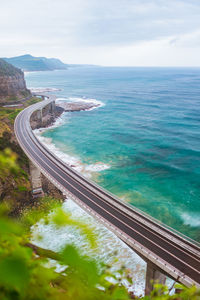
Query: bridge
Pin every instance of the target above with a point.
(166, 251)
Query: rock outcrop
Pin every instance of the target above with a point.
(45, 117)
(77, 106)
(12, 83)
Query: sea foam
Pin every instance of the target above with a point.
(109, 249)
(72, 160)
(191, 219)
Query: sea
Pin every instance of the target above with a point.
(142, 143)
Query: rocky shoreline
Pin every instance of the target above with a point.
(76, 106)
(48, 119)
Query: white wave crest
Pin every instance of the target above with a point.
(191, 219)
(98, 167)
(73, 161)
(70, 160)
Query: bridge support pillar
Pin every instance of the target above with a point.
(53, 108)
(153, 276)
(39, 117)
(36, 181)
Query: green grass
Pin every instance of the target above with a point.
(12, 98)
(11, 112)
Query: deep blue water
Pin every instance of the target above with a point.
(148, 132)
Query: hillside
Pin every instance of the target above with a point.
(30, 63)
(12, 83)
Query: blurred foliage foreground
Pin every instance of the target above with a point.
(23, 274)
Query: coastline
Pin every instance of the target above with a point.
(108, 243)
(134, 266)
(63, 107)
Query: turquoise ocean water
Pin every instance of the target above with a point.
(147, 133)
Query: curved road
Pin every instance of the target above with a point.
(174, 254)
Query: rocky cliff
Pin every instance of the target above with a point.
(12, 83)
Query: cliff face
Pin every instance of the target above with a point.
(12, 83)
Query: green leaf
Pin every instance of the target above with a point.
(83, 266)
(61, 218)
(14, 272)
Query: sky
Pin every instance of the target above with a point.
(103, 32)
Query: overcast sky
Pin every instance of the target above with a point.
(104, 32)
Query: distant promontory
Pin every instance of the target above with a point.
(30, 63)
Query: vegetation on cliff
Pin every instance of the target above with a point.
(14, 188)
(17, 190)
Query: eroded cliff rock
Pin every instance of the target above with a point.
(45, 117)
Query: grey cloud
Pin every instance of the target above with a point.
(39, 25)
(128, 22)
(94, 22)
